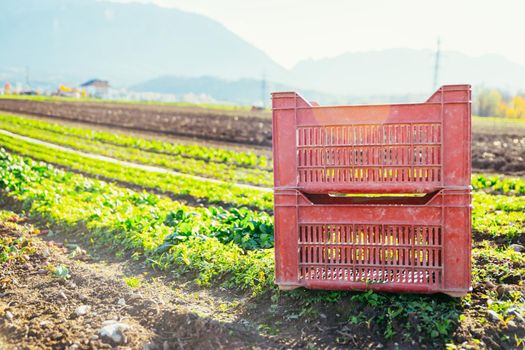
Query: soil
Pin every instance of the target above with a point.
(496, 147)
(253, 128)
(499, 153)
(39, 311)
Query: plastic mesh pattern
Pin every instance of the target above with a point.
(402, 153)
(374, 253)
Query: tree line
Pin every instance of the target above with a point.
(496, 103)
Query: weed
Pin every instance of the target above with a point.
(133, 282)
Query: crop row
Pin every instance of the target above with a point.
(177, 185)
(216, 163)
(219, 244)
(494, 215)
(210, 154)
(498, 184)
(193, 166)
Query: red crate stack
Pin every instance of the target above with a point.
(373, 197)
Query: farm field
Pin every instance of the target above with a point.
(206, 246)
(238, 126)
(497, 147)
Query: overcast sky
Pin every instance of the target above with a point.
(291, 30)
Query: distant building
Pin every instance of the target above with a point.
(7, 88)
(96, 87)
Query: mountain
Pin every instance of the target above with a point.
(71, 41)
(75, 40)
(243, 91)
(404, 71)
(386, 76)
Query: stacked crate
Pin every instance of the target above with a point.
(373, 197)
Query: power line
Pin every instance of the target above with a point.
(28, 83)
(436, 63)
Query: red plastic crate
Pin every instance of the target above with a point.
(418, 147)
(330, 235)
(412, 244)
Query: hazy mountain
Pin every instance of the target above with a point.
(405, 71)
(71, 41)
(125, 43)
(243, 91)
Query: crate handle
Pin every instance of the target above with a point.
(372, 198)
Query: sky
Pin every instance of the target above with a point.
(293, 30)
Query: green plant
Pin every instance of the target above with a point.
(140, 223)
(60, 271)
(133, 282)
(178, 185)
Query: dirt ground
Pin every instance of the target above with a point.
(253, 128)
(496, 147)
(41, 310)
(499, 148)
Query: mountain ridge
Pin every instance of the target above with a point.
(131, 44)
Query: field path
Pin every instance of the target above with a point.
(130, 164)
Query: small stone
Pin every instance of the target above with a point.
(121, 302)
(379, 346)
(74, 347)
(493, 316)
(134, 296)
(166, 345)
(62, 295)
(9, 315)
(114, 331)
(95, 337)
(517, 248)
(82, 310)
(322, 315)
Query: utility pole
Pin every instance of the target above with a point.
(27, 78)
(436, 63)
(263, 90)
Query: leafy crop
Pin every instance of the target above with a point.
(179, 185)
(499, 184)
(498, 216)
(146, 225)
(177, 162)
(28, 126)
